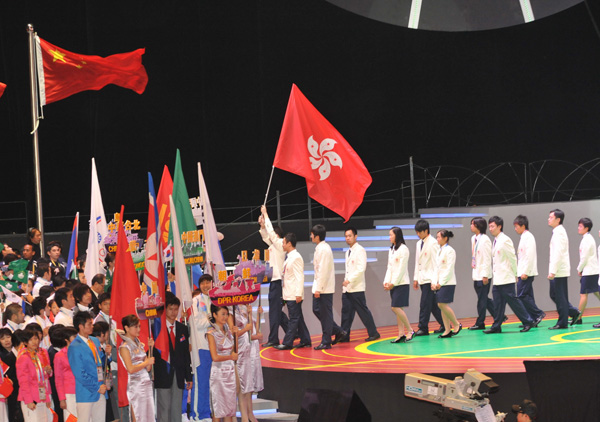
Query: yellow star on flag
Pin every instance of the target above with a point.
(57, 55)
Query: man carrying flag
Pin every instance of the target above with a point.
(311, 147)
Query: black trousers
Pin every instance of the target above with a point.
(483, 301)
(428, 306)
(296, 326)
(323, 309)
(277, 318)
(525, 293)
(356, 302)
(559, 293)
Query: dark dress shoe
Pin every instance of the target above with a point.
(448, 335)
(301, 345)
(526, 328)
(492, 331)
(575, 319)
(323, 346)
(269, 344)
(339, 337)
(398, 340)
(477, 327)
(459, 328)
(283, 347)
(373, 338)
(539, 319)
(505, 318)
(440, 330)
(422, 333)
(596, 325)
(556, 327)
(346, 340)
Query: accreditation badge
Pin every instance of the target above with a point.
(42, 392)
(100, 373)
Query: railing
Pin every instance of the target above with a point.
(391, 193)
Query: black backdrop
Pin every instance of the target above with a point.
(220, 74)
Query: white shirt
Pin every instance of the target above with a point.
(13, 326)
(481, 257)
(64, 317)
(588, 261)
(527, 253)
(559, 264)
(445, 263)
(276, 252)
(324, 281)
(356, 265)
(201, 314)
(293, 276)
(504, 260)
(425, 269)
(39, 283)
(397, 267)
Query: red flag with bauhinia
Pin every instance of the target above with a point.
(65, 73)
(2, 88)
(311, 147)
(125, 290)
(164, 214)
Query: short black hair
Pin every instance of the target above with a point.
(53, 244)
(586, 222)
(5, 332)
(497, 221)
(171, 300)
(100, 327)
(12, 309)
(46, 292)
(522, 220)
(320, 231)
(278, 231)
(447, 234)
(61, 296)
(42, 269)
(98, 279)
(559, 214)
(59, 280)
(103, 297)
(80, 290)
(38, 304)
(291, 238)
(352, 229)
(480, 224)
(56, 335)
(25, 335)
(17, 338)
(422, 225)
(205, 277)
(81, 318)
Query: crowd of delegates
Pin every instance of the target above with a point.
(496, 266)
(58, 349)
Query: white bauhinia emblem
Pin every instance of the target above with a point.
(323, 157)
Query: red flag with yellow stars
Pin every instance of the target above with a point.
(65, 73)
(2, 88)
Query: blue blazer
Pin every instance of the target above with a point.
(84, 369)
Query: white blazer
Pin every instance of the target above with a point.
(445, 263)
(481, 256)
(425, 269)
(560, 264)
(356, 265)
(276, 252)
(293, 276)
(504, 260)
(588, 261)
(397, 267)
(324, 281)
(527, 253)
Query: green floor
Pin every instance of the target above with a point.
(577, 341)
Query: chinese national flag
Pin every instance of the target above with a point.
(311, 147)
(66, 73)
(2, 88)
(125, 289)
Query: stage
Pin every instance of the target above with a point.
(374, 370)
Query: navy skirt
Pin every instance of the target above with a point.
(445, 294)
(399, 295)
(589, 284)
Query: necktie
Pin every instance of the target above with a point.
(422, 241)
(94, 351)
(172, 335)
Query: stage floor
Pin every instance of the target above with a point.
(489, 353)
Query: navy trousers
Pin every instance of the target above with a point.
(296, 326)
(525, 293)
(483, 301)
(504, 294)
(277, 318)
(323, 309)
(428, 306)
(356, 302)
(559, 293)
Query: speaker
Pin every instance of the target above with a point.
(332, 406)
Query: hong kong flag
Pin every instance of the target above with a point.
(2, 88)
(311, 147)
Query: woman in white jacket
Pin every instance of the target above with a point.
(397, 282)
(587, 268)
(446, 283)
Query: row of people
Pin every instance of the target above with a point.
(512, 273)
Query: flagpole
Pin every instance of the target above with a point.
(269, 185)
(35, 122)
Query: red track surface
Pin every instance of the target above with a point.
(344, 357)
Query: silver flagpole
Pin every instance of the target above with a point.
(269, 185)
(35, 121)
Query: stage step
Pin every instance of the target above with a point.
(267, 410)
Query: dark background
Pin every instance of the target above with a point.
(220, 74)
